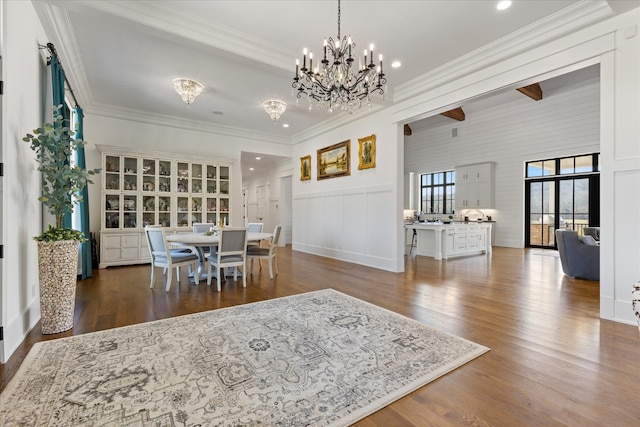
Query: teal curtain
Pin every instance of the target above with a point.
(57, 85)
(85, 248)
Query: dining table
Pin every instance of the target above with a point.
(200, 241)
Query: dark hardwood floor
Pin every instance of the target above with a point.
(553, 361)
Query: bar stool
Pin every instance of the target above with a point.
(413, 240)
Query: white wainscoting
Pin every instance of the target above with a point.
(350, 224)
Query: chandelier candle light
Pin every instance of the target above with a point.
(188, 89)
(275, 108)
(336, 83)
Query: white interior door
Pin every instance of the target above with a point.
(262, 200)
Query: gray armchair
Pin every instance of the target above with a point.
(592, 231)
(578, 259)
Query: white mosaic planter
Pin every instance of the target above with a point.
(58, 267)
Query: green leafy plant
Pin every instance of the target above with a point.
(62, 180)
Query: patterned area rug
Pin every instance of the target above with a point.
(319, 358)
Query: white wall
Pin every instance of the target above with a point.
(565, 122)
(354, 218)
(23, 73)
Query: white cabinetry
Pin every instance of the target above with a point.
(144, 189)
(475, 186)
(466, 239)
(443, 241)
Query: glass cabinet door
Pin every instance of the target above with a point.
(149, 168)
(149, 210)
(164, 176)
(112, 211)
(196, 178)
(164, 211)
(211, 210)
(196, 210)
(224, 180)
(130, 211)
(112, 173)
(130, 174)
(224, 210)
(183, 178)
(212, 177)
(182, 217)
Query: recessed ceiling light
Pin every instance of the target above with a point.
(504, 4)
(285, 125)
(258, 158)
(250, 169)
(396, 64)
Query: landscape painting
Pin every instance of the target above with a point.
(335, 160)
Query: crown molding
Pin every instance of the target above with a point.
(57, 26)
(333, 122)
(564, 22)
(171, 121)
(130, 151)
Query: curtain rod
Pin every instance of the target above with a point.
(52, 51)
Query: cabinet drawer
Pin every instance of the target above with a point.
(109, 242)
(130, 241)
(110, 254)
(460, 237)
(130, 253)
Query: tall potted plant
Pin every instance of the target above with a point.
(58, 246)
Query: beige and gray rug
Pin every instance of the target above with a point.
(320, 358)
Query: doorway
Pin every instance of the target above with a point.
(561, 193)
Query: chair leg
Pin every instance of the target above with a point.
(196, 273)
(167, 286)
(275, 263)
(208, 273)
(244, 274)
(178, 274)
(252, 266)
(218, 269)
(153, 275)
(270, 269)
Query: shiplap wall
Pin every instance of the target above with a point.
(565, 122)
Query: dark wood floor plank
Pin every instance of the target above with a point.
(553, 361)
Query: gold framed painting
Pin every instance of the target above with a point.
(335, 160)
(367, 152)
(305, 168)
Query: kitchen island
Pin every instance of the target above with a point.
(443, 241)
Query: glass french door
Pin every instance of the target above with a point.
(552, 203)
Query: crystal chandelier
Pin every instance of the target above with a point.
(275, 108)
(187, 89)
(335, 83)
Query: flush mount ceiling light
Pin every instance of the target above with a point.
(502, 5)
(335, 83)
(275, 108)
(188, 89)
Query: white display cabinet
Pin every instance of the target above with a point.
(140, 190)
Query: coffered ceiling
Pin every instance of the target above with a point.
(121, 56)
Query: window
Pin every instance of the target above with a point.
(437, 192)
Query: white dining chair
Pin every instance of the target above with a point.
(204, 227)
(254, 227)
(167, 258)
(232, 252)
(269, 254)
